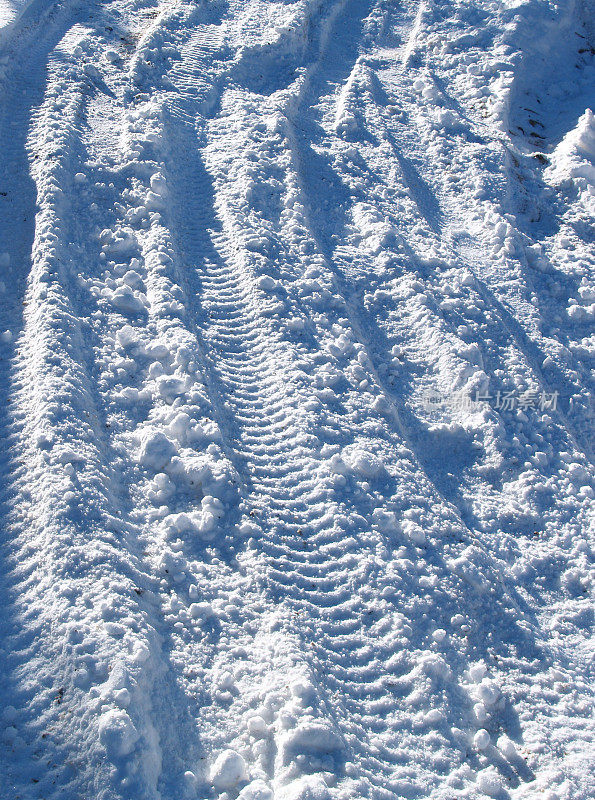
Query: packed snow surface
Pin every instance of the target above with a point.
(296, 349)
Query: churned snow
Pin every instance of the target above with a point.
(296, 349)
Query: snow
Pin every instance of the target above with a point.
(117, 733)
(574, 157)
(10, 12)
(156, 450)
(481, 740)
(228, 770)
(256, 790)
(296, 341)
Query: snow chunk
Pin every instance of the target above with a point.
(446, 119)
(127, 336)
(202, 522)
(257, 726)
(266, 283)
(171, 386)
(507, 748)
(156, 450)
(228, 770)
(157, 349)
(159, 184)
(363, 463)
(120, 242)
(257, 790)
(469, 567)
(310, 787)
(385, 520)
(162, 488)
(154, 202)
(489, 782)
(309, 737)
(488, 692)
(434, 717)
(201, 610)
(480, 711)
(127, 301)
(122, 698)
(413, 531)
(477, 671)
(117, 733)
(481, 740)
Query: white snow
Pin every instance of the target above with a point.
(296, 348)
(574, 157)
(228, 770)
(156, 450)
(256, 790)
(481, 740)
(117, 733)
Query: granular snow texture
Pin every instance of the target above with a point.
(296, 345)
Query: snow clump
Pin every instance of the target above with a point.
(228, 770)
(117, 733)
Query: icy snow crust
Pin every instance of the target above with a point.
(241, 244)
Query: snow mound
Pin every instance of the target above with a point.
(574, 157)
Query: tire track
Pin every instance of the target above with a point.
(295, 540)
(73, 505)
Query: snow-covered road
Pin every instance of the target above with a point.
(296, 350)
